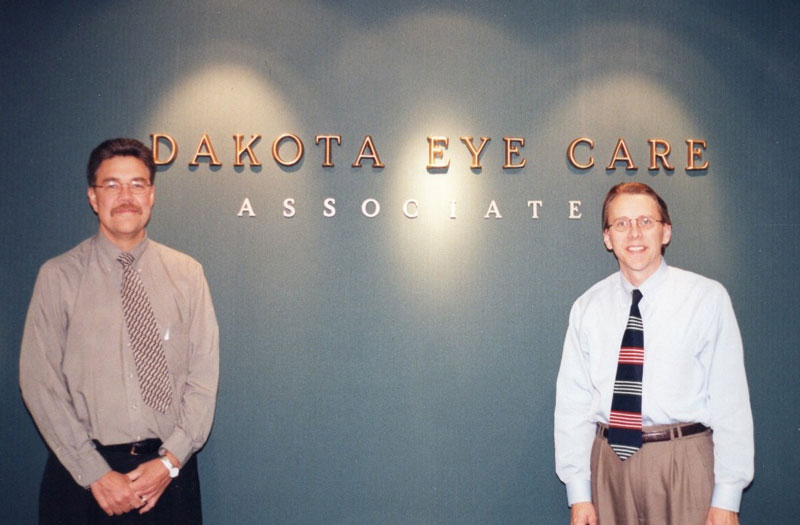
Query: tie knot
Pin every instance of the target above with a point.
(637, 296)
(126, 259)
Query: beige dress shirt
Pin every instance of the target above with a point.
(77, 372)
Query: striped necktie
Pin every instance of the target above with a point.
(625, 421)
(145, 340)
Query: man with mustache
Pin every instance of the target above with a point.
(120, 360)
(652, 417)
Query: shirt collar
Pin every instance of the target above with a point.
(650, 287)
(107, 252)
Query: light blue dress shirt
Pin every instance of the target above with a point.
(693, 372)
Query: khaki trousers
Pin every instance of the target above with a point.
(664, 483)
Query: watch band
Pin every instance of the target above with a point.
(173, 470)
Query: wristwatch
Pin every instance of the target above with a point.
(173, 470)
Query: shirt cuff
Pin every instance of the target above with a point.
(727, 497)
(92, 468)
(179, 445)
(579, 491)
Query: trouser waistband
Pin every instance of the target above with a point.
(146, 446)
(676, 431)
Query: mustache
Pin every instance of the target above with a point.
(125, 208)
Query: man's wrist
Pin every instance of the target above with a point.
(172, 458)
(178, 445)
(171, 467)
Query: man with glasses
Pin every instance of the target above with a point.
(120, 360)
(652, 417)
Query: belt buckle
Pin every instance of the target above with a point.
(134, 448)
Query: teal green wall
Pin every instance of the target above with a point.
(396, 370)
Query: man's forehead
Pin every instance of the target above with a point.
(633, 200)
(114, 177)
(122, 167)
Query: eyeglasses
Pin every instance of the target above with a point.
(137, 187)
(623, 224)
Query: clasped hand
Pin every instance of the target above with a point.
(118, 493)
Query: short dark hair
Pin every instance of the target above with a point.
(120, 147)
(634, 188)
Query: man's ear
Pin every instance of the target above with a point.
(607, 240)
(92, 194)
(666, 236)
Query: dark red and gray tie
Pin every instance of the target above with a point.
(148, 353)
(625, 421)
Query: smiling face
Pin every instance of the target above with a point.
(123, 215)
(638, 251)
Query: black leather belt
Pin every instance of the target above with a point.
(663, 435)
(147, 446)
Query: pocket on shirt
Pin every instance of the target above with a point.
(676, 376)
(175, 342)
